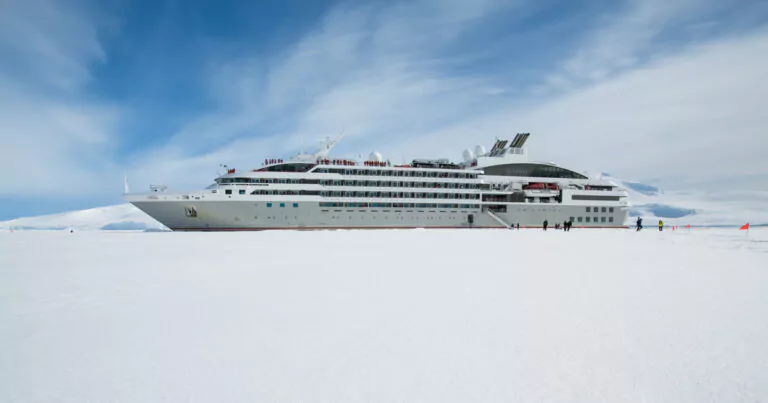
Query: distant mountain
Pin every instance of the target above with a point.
(119, 217)
(643, 189)
(724, 207)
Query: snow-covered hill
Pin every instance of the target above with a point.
(119, 217)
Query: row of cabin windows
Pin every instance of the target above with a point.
(594, 219)
(407, 195)
(436, 185)
(275, 192)
(404, 173)
(601, 209)
(285, 192)
(399, 205)
(224, 181)
(295, 205)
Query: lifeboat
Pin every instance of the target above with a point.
(534, 186)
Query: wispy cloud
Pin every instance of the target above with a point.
(48, 42)
(56, 140)
(371, 71)
(644, 89)
(692, 115)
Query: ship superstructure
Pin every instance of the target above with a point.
(495, 189)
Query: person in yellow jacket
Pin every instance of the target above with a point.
(661, 225)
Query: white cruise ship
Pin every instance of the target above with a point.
(499, 188)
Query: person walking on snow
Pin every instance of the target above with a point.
(639, 225)
(661, 225)
(545, 224)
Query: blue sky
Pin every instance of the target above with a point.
(671, 92)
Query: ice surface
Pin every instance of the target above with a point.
(353, 316)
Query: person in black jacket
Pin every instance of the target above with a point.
(545, 224)
(639, 225)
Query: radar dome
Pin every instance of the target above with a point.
(468, 156)
(479, 150)
(375, 156)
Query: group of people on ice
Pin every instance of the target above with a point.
(566, 226)
(639, 224)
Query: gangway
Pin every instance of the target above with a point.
(497, 218)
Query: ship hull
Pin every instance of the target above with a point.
(231, 215)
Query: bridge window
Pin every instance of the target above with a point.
(289, 167)
(588, 210)
(228, 191)
(532, 170)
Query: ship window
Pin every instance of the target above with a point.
(602, 219)
(587, 219)
(587, 209)
(602, 209)
(532, 170)
(269, 204)
(610, 209)
(242, 191)
(595, 219)
(610, 219)
(580, 219)
(295, 205)
(214, 191)
(228, 191)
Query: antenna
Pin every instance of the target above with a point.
(323, 151)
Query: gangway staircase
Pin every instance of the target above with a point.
(497, 218)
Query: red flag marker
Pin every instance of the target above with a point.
(744, 227)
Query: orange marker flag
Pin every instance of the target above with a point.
(744, 227)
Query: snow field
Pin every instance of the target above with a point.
(402, 315)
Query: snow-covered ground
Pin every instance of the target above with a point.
(352, 316)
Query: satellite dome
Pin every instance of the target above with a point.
(468, 156)
(479, 150)
(375, 156)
